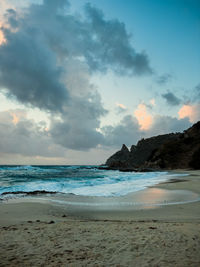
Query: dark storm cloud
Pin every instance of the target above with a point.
(34, 56)
(44, 44)
(28, 71)
(112, 45)
(171, 99)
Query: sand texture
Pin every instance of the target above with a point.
(101, 243)
(38, 234)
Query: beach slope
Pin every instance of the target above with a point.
(48, 234)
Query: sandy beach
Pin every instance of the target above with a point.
(44, 233)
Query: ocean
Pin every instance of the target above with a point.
(77, 180)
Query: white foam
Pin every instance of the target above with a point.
(101, 183)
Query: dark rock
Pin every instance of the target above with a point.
(133, 148)
(119, 159)
(146, 147)
(145, 169)
(195, 161)
(36, 192)
(103, 167)
(181, 153)
(124, 148)
(128, 170)
(125, 160)
(168, 151)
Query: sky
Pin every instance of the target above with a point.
(80, 78)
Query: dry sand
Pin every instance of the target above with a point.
(48, 234)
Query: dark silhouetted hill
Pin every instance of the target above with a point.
(168, 151)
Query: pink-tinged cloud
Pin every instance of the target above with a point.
(190, 111)
(145, 119)
(4, 5)
(16, 115)
(15, 119)
(2, 38)
(122, 106)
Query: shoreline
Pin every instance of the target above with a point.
(46, 234)
(178, 195)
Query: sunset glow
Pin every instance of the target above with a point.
(187, 111)
(2, 38)
(145, 120)
(15, 119)
(121, 106)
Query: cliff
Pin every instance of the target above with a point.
(181, 153)
(168, 151)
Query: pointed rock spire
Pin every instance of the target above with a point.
(124, 148)
(133, 148)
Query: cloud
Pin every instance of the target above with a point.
(19, 135)
(120, 108)
(143, 117)
(17, 115)
(30, 139)
(49, 57)
(127, 131)
(191, 111)
(78, 126)
(47, 61)
(112, 47)
(164, 79)
(152, 102)
(171, 99)
(167, 124)
(192, 96)
(197, 93)
(2, 38)
(28, 70)
(47, 38)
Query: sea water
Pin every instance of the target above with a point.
(78, 180)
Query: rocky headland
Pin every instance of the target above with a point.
(168, 151)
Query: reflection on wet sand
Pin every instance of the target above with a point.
(154, 197)
(145, 199)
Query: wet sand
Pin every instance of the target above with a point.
(53, 234)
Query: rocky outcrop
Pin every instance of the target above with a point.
(119, 159)
(180, 153)
(169, 151)
(142, 152)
